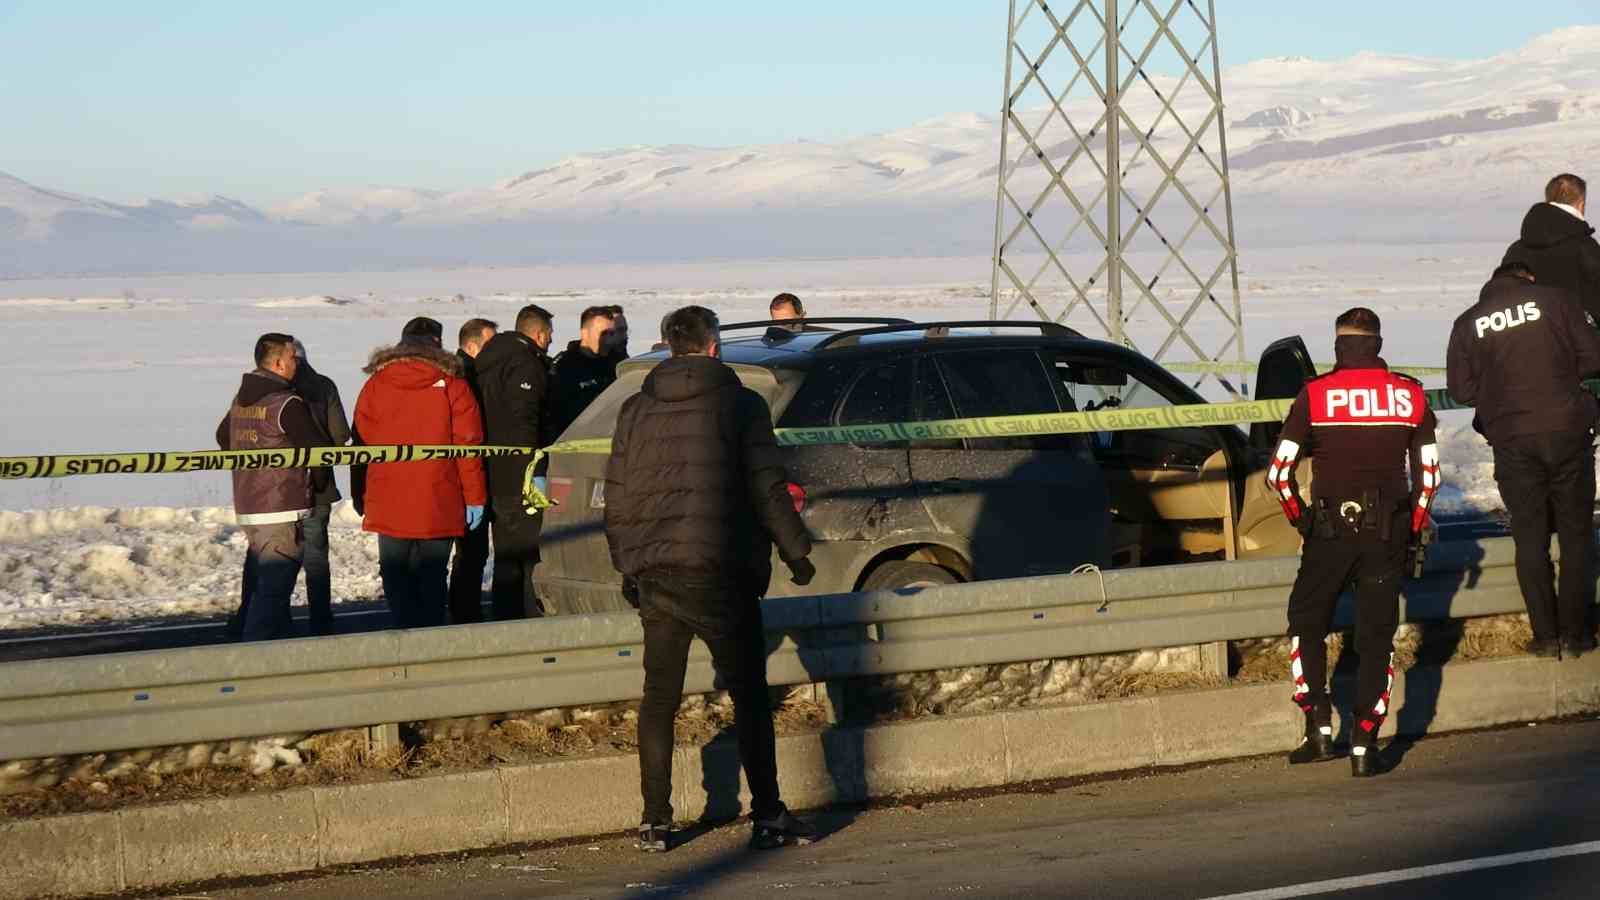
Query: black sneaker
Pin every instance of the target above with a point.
(653, 838)
(783, 831)
(1572, 648)
(1549, 648)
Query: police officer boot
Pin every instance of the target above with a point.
(1316, 746)
(1366, 761)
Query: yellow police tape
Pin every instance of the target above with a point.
(1196, 415)
(155, 462)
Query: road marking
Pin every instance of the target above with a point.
(1355, 882)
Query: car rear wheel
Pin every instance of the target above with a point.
(901, 573)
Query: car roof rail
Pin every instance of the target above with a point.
(942, 329)
(806, 323)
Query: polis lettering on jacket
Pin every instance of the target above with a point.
(1508, 318)
(1370, 403)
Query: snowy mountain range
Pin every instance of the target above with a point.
(1370, 147)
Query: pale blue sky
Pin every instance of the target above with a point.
(264, 101)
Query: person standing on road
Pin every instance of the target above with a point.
(584, 370)
(514, 377)
(270, 504)
(327, 410)
(1361, 423)
(1520, 356)
(695, 497)
(415, 395)
(472, 548)
(1558, 244)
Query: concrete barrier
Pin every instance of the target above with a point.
(306, 828)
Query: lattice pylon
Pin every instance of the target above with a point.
(1085, 232)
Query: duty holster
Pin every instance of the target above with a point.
(1365, 516)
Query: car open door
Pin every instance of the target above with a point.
(1261, 528)
(1285, 368)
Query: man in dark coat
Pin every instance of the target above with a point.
(271, 504)
(696, 495)
(1559, 245)
(1520, 356)
(585, 369)
(472, 548)
(514, 377)
(327, 410)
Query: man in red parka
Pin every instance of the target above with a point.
(416, 395)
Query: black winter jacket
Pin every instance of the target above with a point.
(513, 377)
(1519, 355)
(1560, 249)
(322, 396)
(469, 371)
(694, 485)
(576, 378)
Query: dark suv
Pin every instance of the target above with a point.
(899, 513)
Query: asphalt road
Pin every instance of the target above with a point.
(1254, 829)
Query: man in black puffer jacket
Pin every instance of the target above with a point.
(585, 369)
(1559, 245)
(514, 382)
(695, 497)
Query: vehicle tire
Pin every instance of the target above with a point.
(903, 573)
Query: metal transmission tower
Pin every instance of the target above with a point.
(1125, 226)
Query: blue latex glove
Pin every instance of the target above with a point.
(474, 517)
(542, 484)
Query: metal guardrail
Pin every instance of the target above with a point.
(163, 697)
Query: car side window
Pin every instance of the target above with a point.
(933, 405)
(1005, 383)
(880, 395)
(819, 395)
(1089, 386)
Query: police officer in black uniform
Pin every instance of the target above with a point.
(1520, 356)
(1361, 423)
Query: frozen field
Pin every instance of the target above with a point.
(150, 362)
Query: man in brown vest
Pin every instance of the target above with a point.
(270, 504)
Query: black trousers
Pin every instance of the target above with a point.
(466, 575)
(1547, 483)
(1327, 564)
(516, 553)
(729, 622)
(413, 574)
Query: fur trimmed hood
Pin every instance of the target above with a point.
(439, 358)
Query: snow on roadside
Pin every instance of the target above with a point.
(90, 564)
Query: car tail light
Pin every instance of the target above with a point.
(798, 495)
(560, 490)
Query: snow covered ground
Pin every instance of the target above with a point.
(151, 362)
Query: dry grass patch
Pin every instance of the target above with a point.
(1142, 683)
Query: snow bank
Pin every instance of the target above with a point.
(90, 564)
(303, 302)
